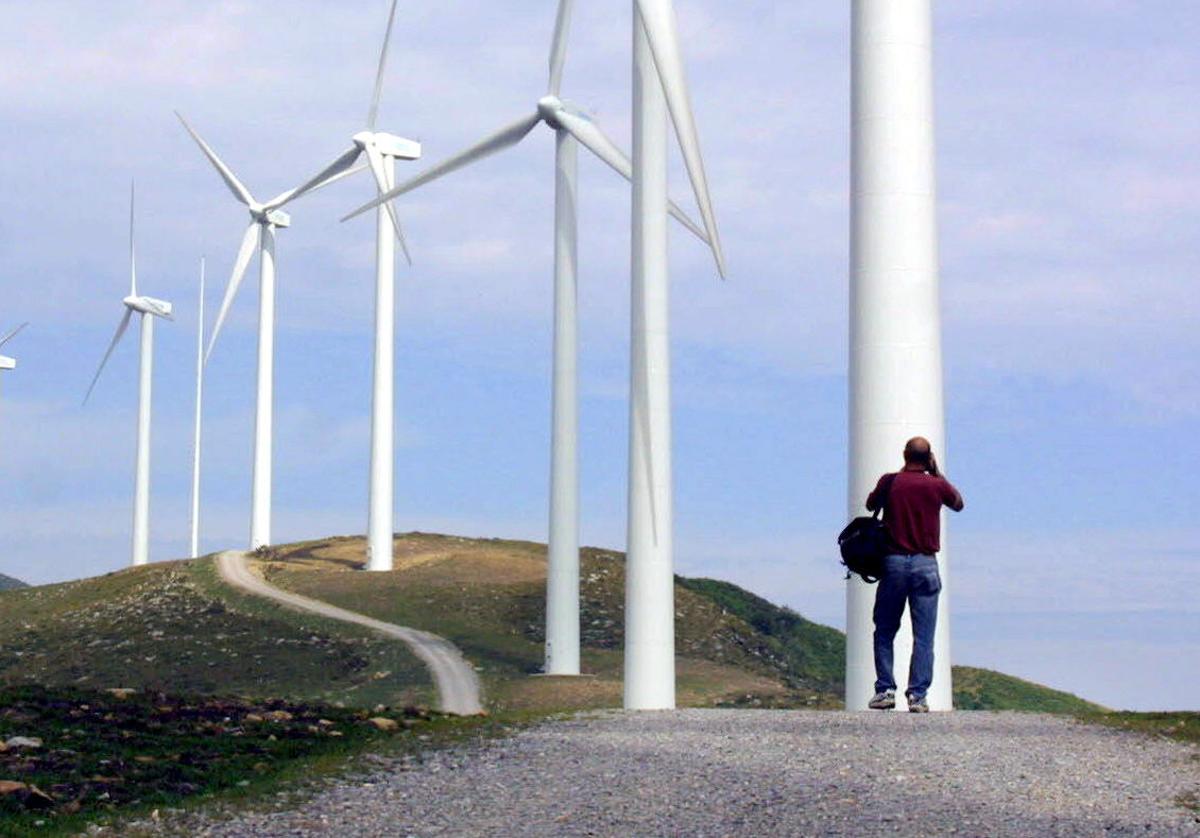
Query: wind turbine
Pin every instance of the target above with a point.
(571, 127)
(382, 150)
(195, 541)
(895, 317)
(7, 363)
(659, 88)
(265, 219)
(147, 308)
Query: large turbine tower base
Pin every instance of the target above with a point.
(649, 569)
(260, 493)
(895, 331)
(383, 405)
(562, 573)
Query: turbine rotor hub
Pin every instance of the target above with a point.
(549, 108)
(389, 144)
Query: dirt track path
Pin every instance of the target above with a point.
(457, 684)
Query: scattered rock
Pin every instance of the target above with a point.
(278, 716)
(383, 724)
(121, 693)
(29, 796)
(27, 743)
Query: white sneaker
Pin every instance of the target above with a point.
(885, 700)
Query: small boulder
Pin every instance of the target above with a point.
(121, 693)
(27, 743)
(386, 725)
(29, 796)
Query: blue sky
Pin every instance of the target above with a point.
(1069, 178)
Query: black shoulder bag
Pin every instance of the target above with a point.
(864, 543)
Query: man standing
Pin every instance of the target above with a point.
(912, 502)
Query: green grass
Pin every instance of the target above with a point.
(812, 656)
(104, 757)
(174, 627)
(1183, 726)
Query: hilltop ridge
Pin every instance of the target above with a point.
(7, 583)
(177, 626)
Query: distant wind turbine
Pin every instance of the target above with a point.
(571, 127)
(659, 88)
(265, 219)
(7, 363)
(195, 540)
(382, 151)
(147, 308)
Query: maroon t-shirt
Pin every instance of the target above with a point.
(913, 513)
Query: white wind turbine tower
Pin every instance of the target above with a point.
(659, 88)
(195, 534)
(895, 320)
(571, 127)
(147, 308)
(382, 150)
(265, 219)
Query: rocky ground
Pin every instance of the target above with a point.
(721, 772)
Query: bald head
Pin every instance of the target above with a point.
(917, 451)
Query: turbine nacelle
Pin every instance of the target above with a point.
(274, 217)
(389, 144)
(7, 363)
(549, 107)
(151, 306)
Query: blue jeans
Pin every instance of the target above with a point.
(913, 580)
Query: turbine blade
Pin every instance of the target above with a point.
(558, 47)
(324, 177)
(132, 249)
(502, 139)
(249, 242)
(121, 327)
(379, 169)
(235, 186)
(12, 334)
(658, 18)
(373, 114)
(593, 138)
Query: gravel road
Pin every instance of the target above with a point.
(457, 683)
(767, 773)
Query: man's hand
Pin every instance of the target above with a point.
(933, 466)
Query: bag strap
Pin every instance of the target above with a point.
(886, 487)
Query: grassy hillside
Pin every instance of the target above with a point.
(812, 655)
(488, 596)
(175, 627)
(735, 648)
(982, 689)
(7, 583)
